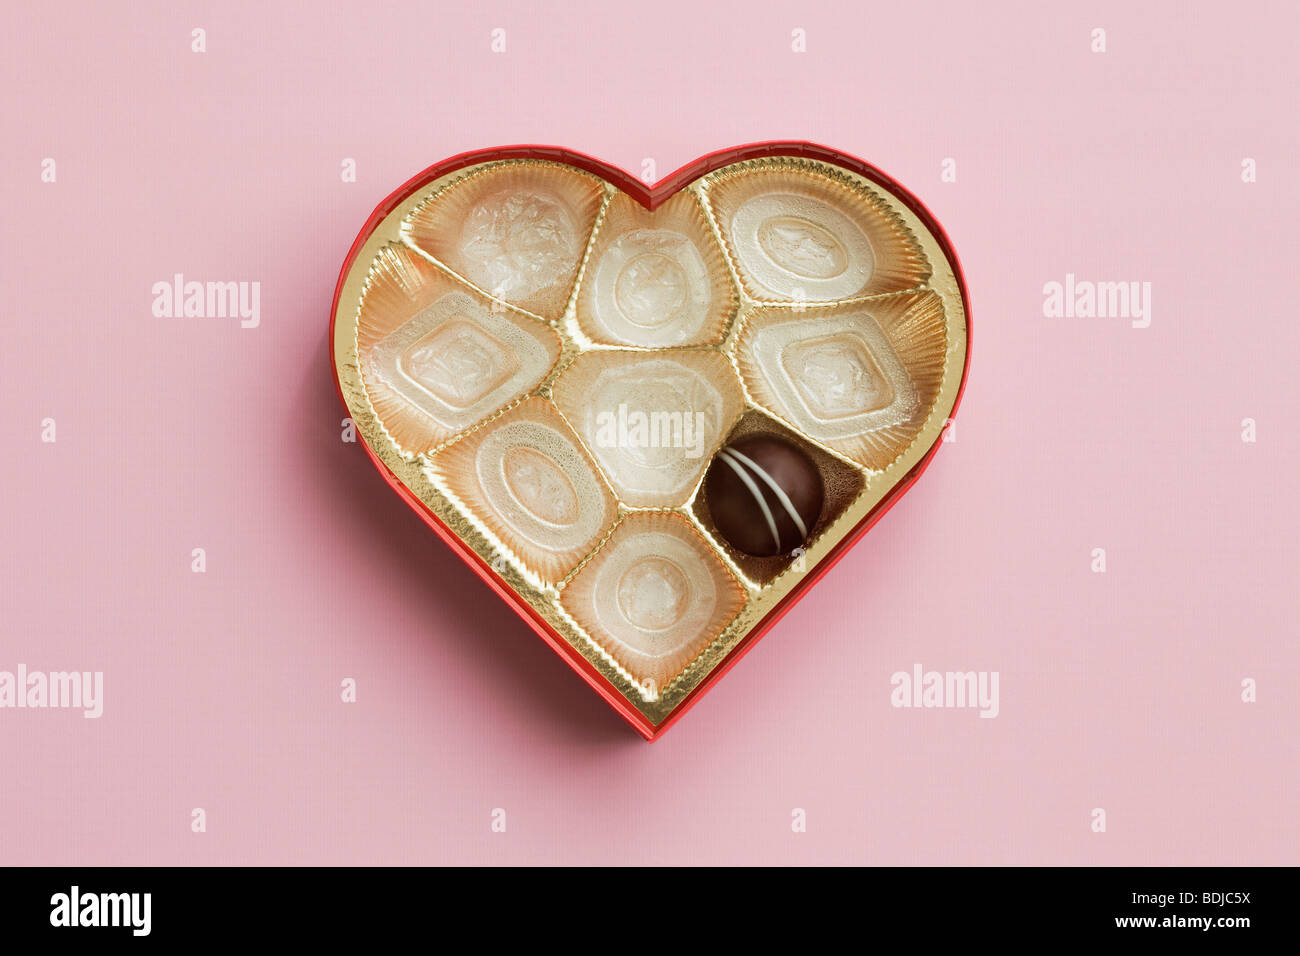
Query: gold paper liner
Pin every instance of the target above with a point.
(653, 597)
(787, 247)
(406, 304)
(517, 230)
(656, 279)
(527, 477)
(687, 400)
(897, 343)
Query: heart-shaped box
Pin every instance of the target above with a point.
(498, 314)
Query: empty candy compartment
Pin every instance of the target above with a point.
(656, 279)
(653, 597)
(860, 378)
(527, 478)
(517, 230)
(652, 420)
(799, 232)
(436, 358)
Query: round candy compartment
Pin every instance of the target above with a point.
(566, 364)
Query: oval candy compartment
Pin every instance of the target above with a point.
(545, 358)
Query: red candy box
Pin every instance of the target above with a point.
(651, 417)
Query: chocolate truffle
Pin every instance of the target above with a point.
(764, 493)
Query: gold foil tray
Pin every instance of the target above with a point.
(497, 323)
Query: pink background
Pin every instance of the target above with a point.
(1118, 690)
